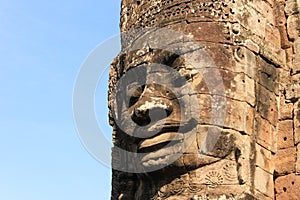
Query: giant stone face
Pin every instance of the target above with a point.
(159, 110)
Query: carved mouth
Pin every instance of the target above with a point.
(163, 156)
(161, 149)
(159, 141)
(166, 146)
(163, 127)
(167, 132)
(163, 160)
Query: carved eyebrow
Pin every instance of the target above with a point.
(134, 66)
(160, 57)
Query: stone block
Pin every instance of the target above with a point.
(234, 59)
(267, 104)
(273, 35)
(268, 75)
(296, 62)
(239, 86)
(285, 161)
(236, 86)
(298, 160)
(205, 31)
(264, 182)
(264, 8)
(250, 90)
(245, 61)
(293, 28)
(273, 53)
(241, 116)
(287, 187)
(266, 134)
(285, 109)
(296, 85)
(226, 112)
(289, 60)
(224, 171)
(244, 143)
(285, 134)
(286, 79)
(293, 89)
(254, 20)
(291, 7)
(297, 122)
(251, 45)
(264, 159)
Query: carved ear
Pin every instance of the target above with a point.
(242, 157)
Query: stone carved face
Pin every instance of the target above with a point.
(161, 115)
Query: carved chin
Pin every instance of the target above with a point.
(167, 149)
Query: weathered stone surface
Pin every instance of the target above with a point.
(246, 59)
(285, 134)
(268, 75)
(265, 9)
(287, 187)
(273, 53)
(255, 21)
(239, 115)
(252, 46)
(293, 27)
(285, 109)
(267, 104)
(298, 160)
(281, 24)
(273, 35)
(293, 89)
(291, 7)
(237, 86)
(266, 135)
(285, 161)
(207, 34)
(296, 62)
(296, 57)
(271, 3)
(297, 122)
(264, 182)
(264, 159)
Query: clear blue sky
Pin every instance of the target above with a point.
(42, 45)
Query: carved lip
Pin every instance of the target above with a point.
(166, 145)
(167, 131)
(164, 126)
(160, 139)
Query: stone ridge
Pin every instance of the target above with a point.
(160, 13)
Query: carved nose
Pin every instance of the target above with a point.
(152, 111)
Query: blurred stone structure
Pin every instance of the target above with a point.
(255, 45)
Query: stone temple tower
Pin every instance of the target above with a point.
(204, 100)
